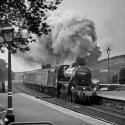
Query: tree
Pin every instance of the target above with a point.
(115, 79)
(122, 76)
(3, 70)
(28, 17)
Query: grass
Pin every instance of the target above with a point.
(99, 70)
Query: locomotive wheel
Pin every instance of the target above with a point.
(73, 97)
(69, 98)
(53, 92)
(77, 99)
(90, 99)
(61, 95)
(87, 100)
(83, 100)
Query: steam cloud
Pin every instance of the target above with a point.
(71, 36)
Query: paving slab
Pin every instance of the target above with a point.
(29, 108)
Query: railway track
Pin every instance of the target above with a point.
(102, 113)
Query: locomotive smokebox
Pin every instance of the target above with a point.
(79, 73)
(83, 74)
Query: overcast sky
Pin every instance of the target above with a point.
(109, 18)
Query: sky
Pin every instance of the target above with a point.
(109, 19)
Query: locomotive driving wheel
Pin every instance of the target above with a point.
(73, 96)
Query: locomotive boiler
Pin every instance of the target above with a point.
(81, 74)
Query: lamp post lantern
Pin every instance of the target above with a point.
(108, 52)
(8, 35)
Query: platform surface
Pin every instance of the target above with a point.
(29, 108)
(117, 95)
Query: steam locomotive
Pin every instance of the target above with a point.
(72, 83)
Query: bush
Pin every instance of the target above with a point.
(115, 79)
(122, 76)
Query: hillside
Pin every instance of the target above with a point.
(100, 68)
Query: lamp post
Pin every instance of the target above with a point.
(108, 52)
(8, 35)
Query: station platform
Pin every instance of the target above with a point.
(116, 95)
(28, 108)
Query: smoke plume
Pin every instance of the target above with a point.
(71, 36)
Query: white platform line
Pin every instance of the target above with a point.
(82, 117)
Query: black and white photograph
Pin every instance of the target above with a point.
(62, 62)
